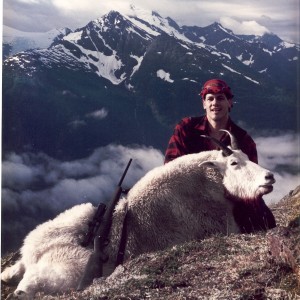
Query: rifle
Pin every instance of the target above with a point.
(98, 232)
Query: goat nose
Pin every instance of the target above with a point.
(270, 176)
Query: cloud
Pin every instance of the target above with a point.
(281, 155)
(281, 17)
(38, 15)
(37, 187)
(244, 27)
(18, 176)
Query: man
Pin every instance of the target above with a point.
(217, 102)
(186, 139)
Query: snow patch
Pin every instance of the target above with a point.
(230, 69)
(187, 79)
(268, 51)
(106, 66)
(215, 53)
(153, 20)
(139, 62)
(131, 30)
(21, 40)
(98, 114)
(246, 62)
(263, 71)
(227, 40)
(249, 62)
(226, 54)
(142, 26)
(73, 37)
(164, 75)
(287, 44)
(234, 71)
(185, 46)
(256, 82)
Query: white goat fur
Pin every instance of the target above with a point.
(180, 201)
(51, 258)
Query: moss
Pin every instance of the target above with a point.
(258, 294)
(169, 265)
(287, 279)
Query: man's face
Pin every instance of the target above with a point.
(217, 106)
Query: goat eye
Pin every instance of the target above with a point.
(234, 163)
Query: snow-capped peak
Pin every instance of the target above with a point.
(140, 17)
(140, 13)
(21, 40)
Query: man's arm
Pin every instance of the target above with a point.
(249, 147)
(176, 146)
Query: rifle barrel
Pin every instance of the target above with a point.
(124, 174)
(94, 266)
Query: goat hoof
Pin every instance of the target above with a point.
(20, 295)
(11, 296)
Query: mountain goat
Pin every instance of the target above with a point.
(191, 197)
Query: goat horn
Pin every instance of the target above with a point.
(226, 151)
(233, 140)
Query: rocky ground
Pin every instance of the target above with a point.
(252, 266)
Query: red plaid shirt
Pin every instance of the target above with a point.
(187, 139)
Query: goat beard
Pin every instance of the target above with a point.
(251, 214)
(251, 201)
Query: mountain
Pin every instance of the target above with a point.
(130, 78)
(15, 41)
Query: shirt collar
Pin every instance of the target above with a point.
(203, 126)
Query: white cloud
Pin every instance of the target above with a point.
(26, 169)
(78, 5)
(280, 17)
(281, 155)
(17, 175)
(279, 150)
(285, 182)
(243, 27)
(37, 187)
(30, 1)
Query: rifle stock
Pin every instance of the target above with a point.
(94, 225)
(93, 268)
(103, 221)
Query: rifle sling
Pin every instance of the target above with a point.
(123, 240)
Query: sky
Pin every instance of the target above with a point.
(280, 17)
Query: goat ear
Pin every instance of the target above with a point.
(211, 163)
(208, 163)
